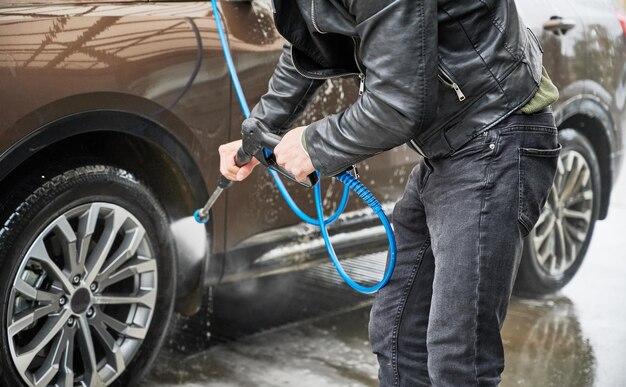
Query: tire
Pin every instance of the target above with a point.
(127, 303)
(547, 263)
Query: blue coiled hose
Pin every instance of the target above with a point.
(350, 182)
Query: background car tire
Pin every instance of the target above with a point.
(541, 273)
(27, 210)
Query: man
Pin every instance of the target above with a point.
(461, 82)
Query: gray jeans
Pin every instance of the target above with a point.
(459, 229)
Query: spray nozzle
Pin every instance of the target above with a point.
(201, 216)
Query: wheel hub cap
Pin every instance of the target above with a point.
(81, 300)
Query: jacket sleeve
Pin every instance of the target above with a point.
(287, 95)
(399, 50)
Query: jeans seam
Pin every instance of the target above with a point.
(486, 187)
(520, 178)
(400, 311)
(529, 128)
(424, 179)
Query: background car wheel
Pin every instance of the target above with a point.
(556, 247)
(88, 279)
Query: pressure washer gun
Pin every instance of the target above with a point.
(257, 142)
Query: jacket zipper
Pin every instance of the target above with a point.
(413, 143)
(362, 85)
(361, 72)
(447, 80)
(313, 18)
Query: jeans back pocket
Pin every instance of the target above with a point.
(536, 170)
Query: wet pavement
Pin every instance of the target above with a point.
(307, 329)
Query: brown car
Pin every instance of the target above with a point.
(111, 115)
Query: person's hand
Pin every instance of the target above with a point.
(228, 168)
(290, 155)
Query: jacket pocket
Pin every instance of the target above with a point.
(536, 170)
(445, 78)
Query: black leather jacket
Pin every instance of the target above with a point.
(434, 74)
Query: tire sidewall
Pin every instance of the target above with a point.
(87, 185)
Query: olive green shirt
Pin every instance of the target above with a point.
(544, 97)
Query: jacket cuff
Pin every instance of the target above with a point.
(327, 164)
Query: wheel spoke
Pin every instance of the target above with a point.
(44, 378)
(146, 298)
(112, 322)
(560, 244)
(552, 266)
(554, 197)
(543, 257)
(577, 234)
(88, 353)
(574, 169)
(580, 197)
(582, 215)
(29, 292)
(98, 256)
(40, 254)
(126, 251)
(585, 175)
(140, 267)
(66, 368)
(545, 232)
(547, 211)
(543, 247)
(70, 251)
(43, 337)
(569, 255)
(86, 227)
(560, 174)
(114, 353)
(26, 319)
(123, 328)
(50, 367)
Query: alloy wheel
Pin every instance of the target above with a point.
(82, 298)
(564, 224)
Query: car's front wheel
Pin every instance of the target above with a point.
(556, 247)
(87, 280)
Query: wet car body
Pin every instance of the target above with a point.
(585, 60)
(144, 86)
